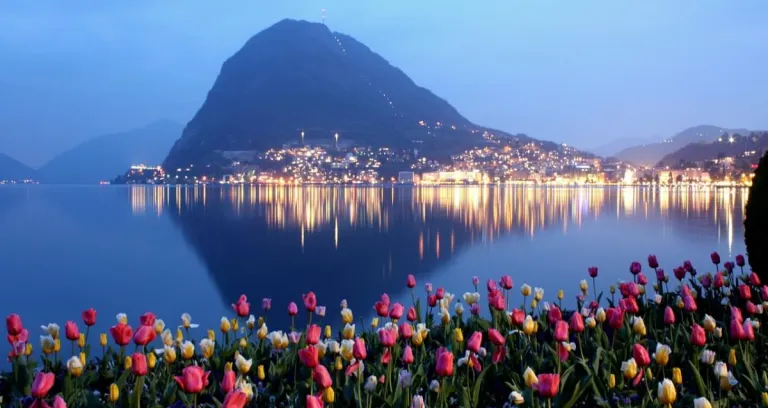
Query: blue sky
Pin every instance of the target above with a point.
(582, 72)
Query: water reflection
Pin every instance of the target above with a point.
(354, 243)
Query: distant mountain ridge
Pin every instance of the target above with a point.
(104, 157)
(699, 152)
(299, 76)
(12, 169)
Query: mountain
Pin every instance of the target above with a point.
(299, 76)
(728, 147)
(104, 157)
(12, 169)
(610, 148)
(649, 154)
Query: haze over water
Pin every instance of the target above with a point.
(195, 249)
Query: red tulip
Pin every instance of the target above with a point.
(388, 337)
(640, 354)
(147, 319)
(740, 260)
(13, 323)
(698, 336)
(679, 273)
(411, 281)
(431, 300)
(729, 267)
(412, 314)
(635, 268)
(660, 276)
(314, 401)
(42, 384)
(495, 337)
(406, 330)
(193, 379)
(562, 352)
(715, 257)
(642, 279)
(496, 300)
(293, 310)
(764, 291)
(719, 281)
(235, 399)
(491, 285)
(754, 280)
(358, 349)
(736, 314)
(751, 308)
(121, 333)
(89, 317)
(561, 331)
(139, 364)
(749, 331)
(382, 306)
(309, 357)
(706, 280)
(506, 282)
(229, 380)
(20, 338)
(629, 305)
(310, 301)
(615, 317)
(396, 312)
(444, 363)
(554, 315)
(145, 335)
(669, 315)
(313, 334)
(737, 331)
(499, 354)
(440, 293)
(548, 385)
(745, 292)
(475, 342)
(408, 355)
(689, 304)
(71, 331)
(576, 322)
(593, 271)
(517, 317)
(322, 377)
(242, 307)
(629, 289)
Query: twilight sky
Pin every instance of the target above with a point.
(582, 72)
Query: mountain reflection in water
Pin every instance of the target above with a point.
(355, 243)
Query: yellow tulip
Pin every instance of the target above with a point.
(583, 286)
(235, 325)
(417, 339)
(228, 366)
(725, 382)
(57, 345)
(560, 294)
(159, 326)
(187, 350)
(701, 403)
(339, 364)
(534, 304)
(48, 344)
(225, 326)
(375, 322)
(151, 360)
(612, 381)
(346, 316)
(346, 348)
(328, 332)
(81, 340)
(75, 367)
(629, 368)
(169, 354)
(328, 395)
(114, 392)
(648, 374)
(179, 336)
(661, 356)
(82, 358)
(528, 325)
(167, 338)
(243, 343)
(260, 373)
(28, 350)
(667, 393)
(207, 347)
(764, 397)
(600, 315)
(211, 335)
(591, 322)
(261, 334)
(530, 377)
(459, 335)
(243, 365)
(677, 376)
(349, 331)
(638, 326)
(525, 290)
(127, 363)
(732, 357)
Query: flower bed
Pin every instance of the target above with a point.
(696, 343)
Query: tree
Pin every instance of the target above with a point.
(756, 221)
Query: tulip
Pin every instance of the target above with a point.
(709, 323)
(638, 326)
(396, 312)
(169, 354)
(615, 318)
(444, 363)
(652, 262)
(293, 310)
(13, 324)
(679, 273)
(576, 323)
(75, 366)
(207, 348)
(147, 319)
(243, 365)
(159, 326)
(495, 337)
(411, 281)
(708, 357)
(745, 292)
(715, 257)
(635, 268)
(701, 403)
(235, 399)
(145, 335)
(529, 326)
(122, 318)
(640, 355)
(89, 317)
(137, 363)
(388, 336)
(358, 349)
(667, 393)
(749, 331)
(412, 314)
(151, 360)
(121, 334)
(81, 340)
(242, 308)
(346, 316)
(592, 271)
(406, 330)
(71, 331)
(187, 350)
(382, 306)
(554, 315)
(698, 336)
(193, 379)
(764, 398)
(548, 385)
(314, 401)
(525, 290)
(629, 368)
(661, 356)
(225, 326)
(669, 316)
(530, 377)
(506, 282)
(321, 376)
(517, 317)
(561, 331)
(310, 301)
(260, 374)
(408, 355)
(309, 357)
(475, 341)
(313, 334)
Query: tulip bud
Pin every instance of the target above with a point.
(225, 326)
(28, 349)
(612, 288)
(81, 340)
(329, 396)
(211, 335)
(560, 294)
(151, 360)
(169, 354)
(732, 357)
(81, 356)
(339, 364)
(534, 303)
(530, 377)
(114, 393)
(57, 345)
(243, 342)
(127, 363)
(459, 335)
(612, 381)
(328, 331)
(260, 373)
(375, 322)
(764, 397)
(677, 376)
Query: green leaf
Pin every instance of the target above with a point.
(465, 398)
(478, 384)
(577, 393)
(699, 381)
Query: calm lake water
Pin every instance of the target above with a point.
(171, 250)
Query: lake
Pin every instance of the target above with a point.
(195, 249)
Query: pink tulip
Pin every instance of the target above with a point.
(309, 357)
(548, 385)
(59, 402)
(411, 281)
(310, 301)
(629, 289)
(635, 268)
(386, 357)
(228, 382)
(497, 301)
(698, 336)
(737, 330)
(736, 314)
(764, 291)
(491, 285)
(139, 364)
(412, 314)
(313, 334)
(242, 307)
(495, 337)
(388, 337)
(749, 331)
(42, 384)
(440, 293)
(145, 335)
(751, 308)
(499, 354)
(406, 330)
(561, 331)
(506, 282)
(642, 279)
(475, 280)
(754, 280)
(408, 355)
(266, 304)
(669, 316)
(294, 337)
(689, 304)
(235, 399)
(428, 287)
(615, 317)
(314, 401)
(562, 352)
(396, 312)
(592, 271)
(640, 354)
(13, 324)
(706, 281)
(321, 376)
(554, 315)
(576, 322)
(719, 281)
(444, 363)
(382, 306)
(431, 301)
(121, 333)
(147, 319)
(293, 310)
(193, 379)
(89, 317)
(71, 331)
(358, 349)
(475, 342)
(745, 292)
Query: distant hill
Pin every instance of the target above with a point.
(105, 157)
(699, 152)
(650, 153)
(12, 169)
(611, 148)
(299, 76)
